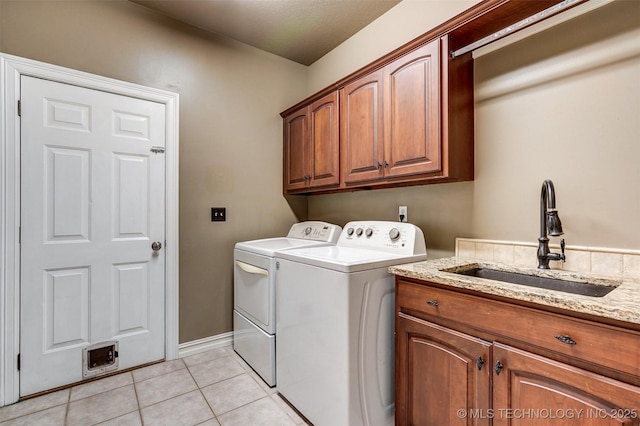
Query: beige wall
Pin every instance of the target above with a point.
(404, 22)
(563, 104)
(230, 130)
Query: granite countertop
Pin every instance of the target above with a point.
(622, 304)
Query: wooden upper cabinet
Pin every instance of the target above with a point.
(406, 118)
(324, 159)
(412, 113)
(390, 119)
(296, 149)
(311, 150)
(409, 122)
(361, 129)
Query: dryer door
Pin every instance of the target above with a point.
(254, 290)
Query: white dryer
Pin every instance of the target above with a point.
(254, 311)
(335, 323)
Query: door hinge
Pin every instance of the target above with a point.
(19, 108)
(18, 362)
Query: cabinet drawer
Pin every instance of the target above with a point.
(604, 345)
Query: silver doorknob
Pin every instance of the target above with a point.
(156, 245)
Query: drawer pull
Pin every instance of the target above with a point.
(433, 303)
(566, 339)
(499, 368)
(480, 363)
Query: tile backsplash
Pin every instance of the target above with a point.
(599, 261)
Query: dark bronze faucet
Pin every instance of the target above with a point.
(549, 225)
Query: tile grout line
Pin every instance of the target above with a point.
(201, 394)
(66, 411)
(135, 392)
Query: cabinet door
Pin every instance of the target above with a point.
(437, 375)
(324, 152)
(296, 146)
(530, 389)
(361, 129)
(412, 113)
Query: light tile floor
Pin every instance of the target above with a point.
(210, 388)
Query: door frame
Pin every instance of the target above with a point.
(11, 69)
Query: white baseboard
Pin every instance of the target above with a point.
(206, 344)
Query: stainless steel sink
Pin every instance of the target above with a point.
(576, 287)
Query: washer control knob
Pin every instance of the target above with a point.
(350, 231)
(368, 232)
(359, 232)
(307, 230)
(394, 234)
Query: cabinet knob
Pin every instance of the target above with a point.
(499, 368)
(378, 165)
(480, 363)
(566, 339)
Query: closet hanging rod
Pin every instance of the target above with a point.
(566, 4)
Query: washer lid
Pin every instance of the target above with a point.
(301, 234)
(268, 246)
(348, 259)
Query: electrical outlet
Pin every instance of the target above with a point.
(218, 214)
(402, 213)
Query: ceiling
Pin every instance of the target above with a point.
(300, 30)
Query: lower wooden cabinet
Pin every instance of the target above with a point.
(529, 389)
(439, 372)
(449, 376)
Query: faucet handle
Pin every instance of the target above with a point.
(562, 245)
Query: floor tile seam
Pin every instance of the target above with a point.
(248, 403)
(177, 396)
(226, 378)
(66, 421)
(273, 397)
(159, 375)
(66, 411)
(215, 416)
(206, 361)
(203, 361)
(202, 395)
(140, 407)
(213, 384)
(99, 393)
(8, 419)
(113, 418)
(135, 392)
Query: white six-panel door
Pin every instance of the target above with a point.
(93, 202)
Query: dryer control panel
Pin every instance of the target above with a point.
(395, 237)
(316, 231)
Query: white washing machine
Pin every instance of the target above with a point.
(254, 311)
(335, 323)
